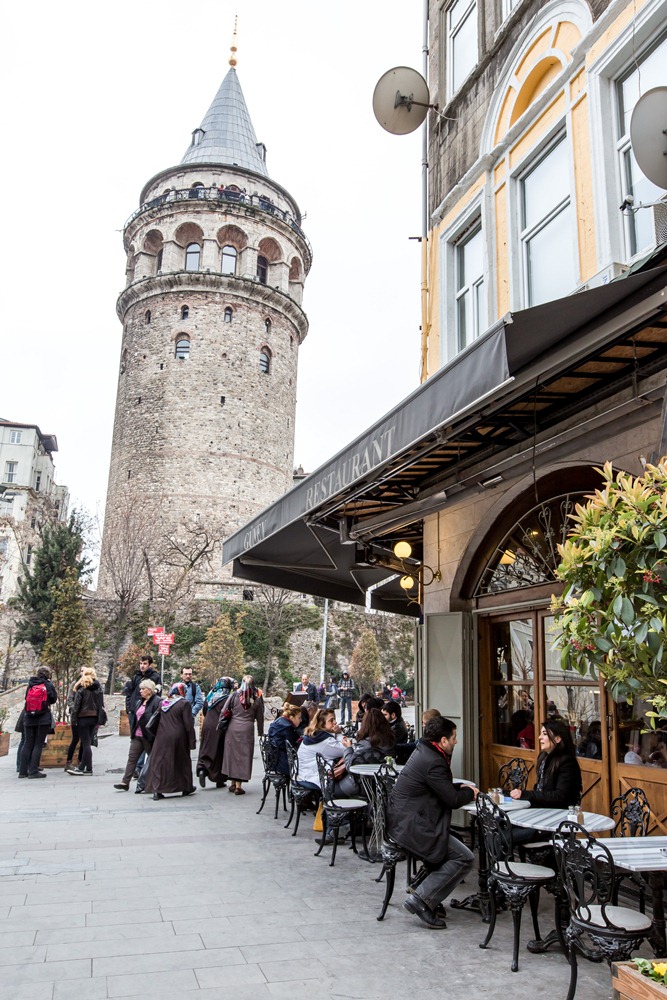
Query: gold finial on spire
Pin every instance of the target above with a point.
(233, 49)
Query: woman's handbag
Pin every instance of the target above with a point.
(225, 719)
(318, 826)
(18, 728)
(152, 725)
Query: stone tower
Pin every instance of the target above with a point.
(212, 323)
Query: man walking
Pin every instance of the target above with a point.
(345, 689)
(420, 814)
(193, 692)
(144, 672)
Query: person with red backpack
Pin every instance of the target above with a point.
(38, 722)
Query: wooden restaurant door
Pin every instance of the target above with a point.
(522, 684)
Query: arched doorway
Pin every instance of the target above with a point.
(508, 584)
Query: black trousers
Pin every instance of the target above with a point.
(86, 726)
(32, 749)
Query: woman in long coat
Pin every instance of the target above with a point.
(170, 768)
(246, 707)
(212, 740)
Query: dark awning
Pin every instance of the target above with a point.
(331, 535)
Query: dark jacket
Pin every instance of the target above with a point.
(152, 706)
(282, 732)
(87, 702)
(561, 786)
(44, 718)
(400, 730)
(421, 803)
(131, 689)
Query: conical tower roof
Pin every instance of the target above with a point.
(228, 136)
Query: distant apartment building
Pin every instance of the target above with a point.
(29, 496)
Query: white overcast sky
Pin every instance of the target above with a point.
(98, 98)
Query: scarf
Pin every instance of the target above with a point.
(247, 694)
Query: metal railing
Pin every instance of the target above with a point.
(240, 201)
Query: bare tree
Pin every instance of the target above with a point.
(279, 614)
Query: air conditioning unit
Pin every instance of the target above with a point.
(603, 277)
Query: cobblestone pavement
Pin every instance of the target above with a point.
(110, 894)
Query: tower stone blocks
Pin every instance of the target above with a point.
(212, 324)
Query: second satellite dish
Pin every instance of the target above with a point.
(648, 128)
(401, 100)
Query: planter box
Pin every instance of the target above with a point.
(124, 724)
(4, 744)
(629, 984)
(54, 753)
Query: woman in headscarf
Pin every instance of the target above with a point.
(212, 740)
(141, 738)
(244, 707)
(170, 767)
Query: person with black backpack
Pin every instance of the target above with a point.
(38, 722)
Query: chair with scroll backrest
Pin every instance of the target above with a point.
(633, 815)
(598, 929)
(390, 852)
(273, 778)
(300, 797)
(336, 811)
(516, 880)
(513, 774)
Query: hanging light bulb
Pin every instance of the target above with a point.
(406, 583)
(402, 550)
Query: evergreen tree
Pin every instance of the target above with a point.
(365, 664)
(60, 549)
(221, 652)
(67, 647)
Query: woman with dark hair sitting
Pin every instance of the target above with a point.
(375, 741)
(366, 702)
(558, 782)
(284, 731)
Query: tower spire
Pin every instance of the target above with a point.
(233, 46)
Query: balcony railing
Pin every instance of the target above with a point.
(240, 202)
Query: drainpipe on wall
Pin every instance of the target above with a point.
(423, 373)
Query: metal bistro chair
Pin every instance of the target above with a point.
(512, 774)
(633, 815)
(598, 929)
(272, 776)
(336, 811)
(297, 793)
(390, 852)
(516, 880)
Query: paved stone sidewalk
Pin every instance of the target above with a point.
(109, 894)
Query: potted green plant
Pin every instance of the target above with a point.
(4, 736)
(612, 615)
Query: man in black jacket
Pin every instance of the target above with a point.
(419, 817)
(146, 672)
(393, 713)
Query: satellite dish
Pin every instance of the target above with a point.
(648, 135)
(401, 100)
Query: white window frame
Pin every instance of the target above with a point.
(475, 214)
(604, 73)
(470, 288)
(15, 437)
(471, 10)
(11, 472)
(525, 234)
(507, 7)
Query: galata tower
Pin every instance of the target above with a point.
(212, 322)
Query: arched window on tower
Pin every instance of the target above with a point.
(147, 317)
(158, 261)
(262, 269)
(123, 361)
(182, 351)
(229, 260)
(192, 255)
(228, 314)
(265, 361)
(267, 326)
(185, 312)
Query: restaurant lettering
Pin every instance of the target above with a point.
(354, 467)
(255, 533)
